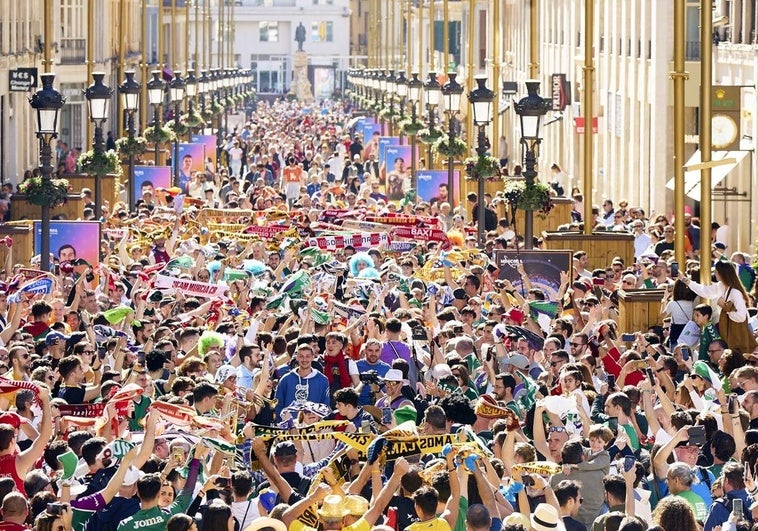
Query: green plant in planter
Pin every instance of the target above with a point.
(536, 197)
(290, 96)
(178, 127)
(100, 163)
(131, 146)
(484, 167)
(207, 114)
(158, 135)
(45, 192)
(410, 127)
(229, 103)
(193, 120)
(430, 136)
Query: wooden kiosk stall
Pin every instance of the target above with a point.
(639, 309)
(601, 246)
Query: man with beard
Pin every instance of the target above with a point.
(21, 362)
(302, 383)
(372, 350)
(250, 356)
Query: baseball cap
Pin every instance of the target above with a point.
(284, 449)
(224, 373)
(52, 337)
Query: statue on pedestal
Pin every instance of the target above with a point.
(300, 37)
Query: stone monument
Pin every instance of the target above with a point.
(301, 87)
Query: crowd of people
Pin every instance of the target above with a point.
(290, 349)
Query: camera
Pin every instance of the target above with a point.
(56, 508)
(527, 480)
(418, 333)
(370, 377)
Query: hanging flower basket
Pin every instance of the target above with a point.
(484, 167)
(193, 120)
(45, 192)
(100, 163)
(207, 115)
(290, 96)
(178, 128)
(229, 103)
(430, 136)
(217, 109)
(387, 114)
(159, 135)
(131, 146)
(536, 197)
(410, 127)
(445, 149)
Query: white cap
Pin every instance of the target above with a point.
(393, 375)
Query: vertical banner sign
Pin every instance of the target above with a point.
(726, 110)
(558, 91)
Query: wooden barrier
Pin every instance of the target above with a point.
(558, 215)
(639, 309)
(111, 185)
(600, 246)
(23, 242)
(22, 209)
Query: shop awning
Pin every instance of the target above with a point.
(718, 173)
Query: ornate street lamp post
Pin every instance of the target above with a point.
(130, 93)
(531, 109)
(155, 91)
(481, 102)
(47, 102)
(176, 90)
(433, 93)
(452, 91)
(414, 96)
(98, 97)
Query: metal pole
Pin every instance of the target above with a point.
(496, 77)
(46, 168)
(706, 83)
(530, 162)
(534, 42)
(208, 24)
(229, 34)
(99, 146)
(175, 156)
(197, 37)
(587, 109)
(47, 62)
(187, 62)
(90, 55)
(679, 76)
(130, 177)
(450, 161)
(481, 150)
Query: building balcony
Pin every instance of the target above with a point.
(73, 51)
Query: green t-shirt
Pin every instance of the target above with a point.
(154, 519)
(140, 412)
(697, 504)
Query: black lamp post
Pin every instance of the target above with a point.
(155, 90)
(481, 102)
(402, 92)
(176, 90)
(215, 98)
(531, 109)
(98, 98)
(391, 92)
(414, 96)
(452, 91)
(191, 87)
(433, 93)
(47, 102)
(130, 91)
(203, 86)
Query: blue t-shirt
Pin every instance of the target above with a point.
(363, 367)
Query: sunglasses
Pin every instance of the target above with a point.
(576, 344)
(556, 429)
